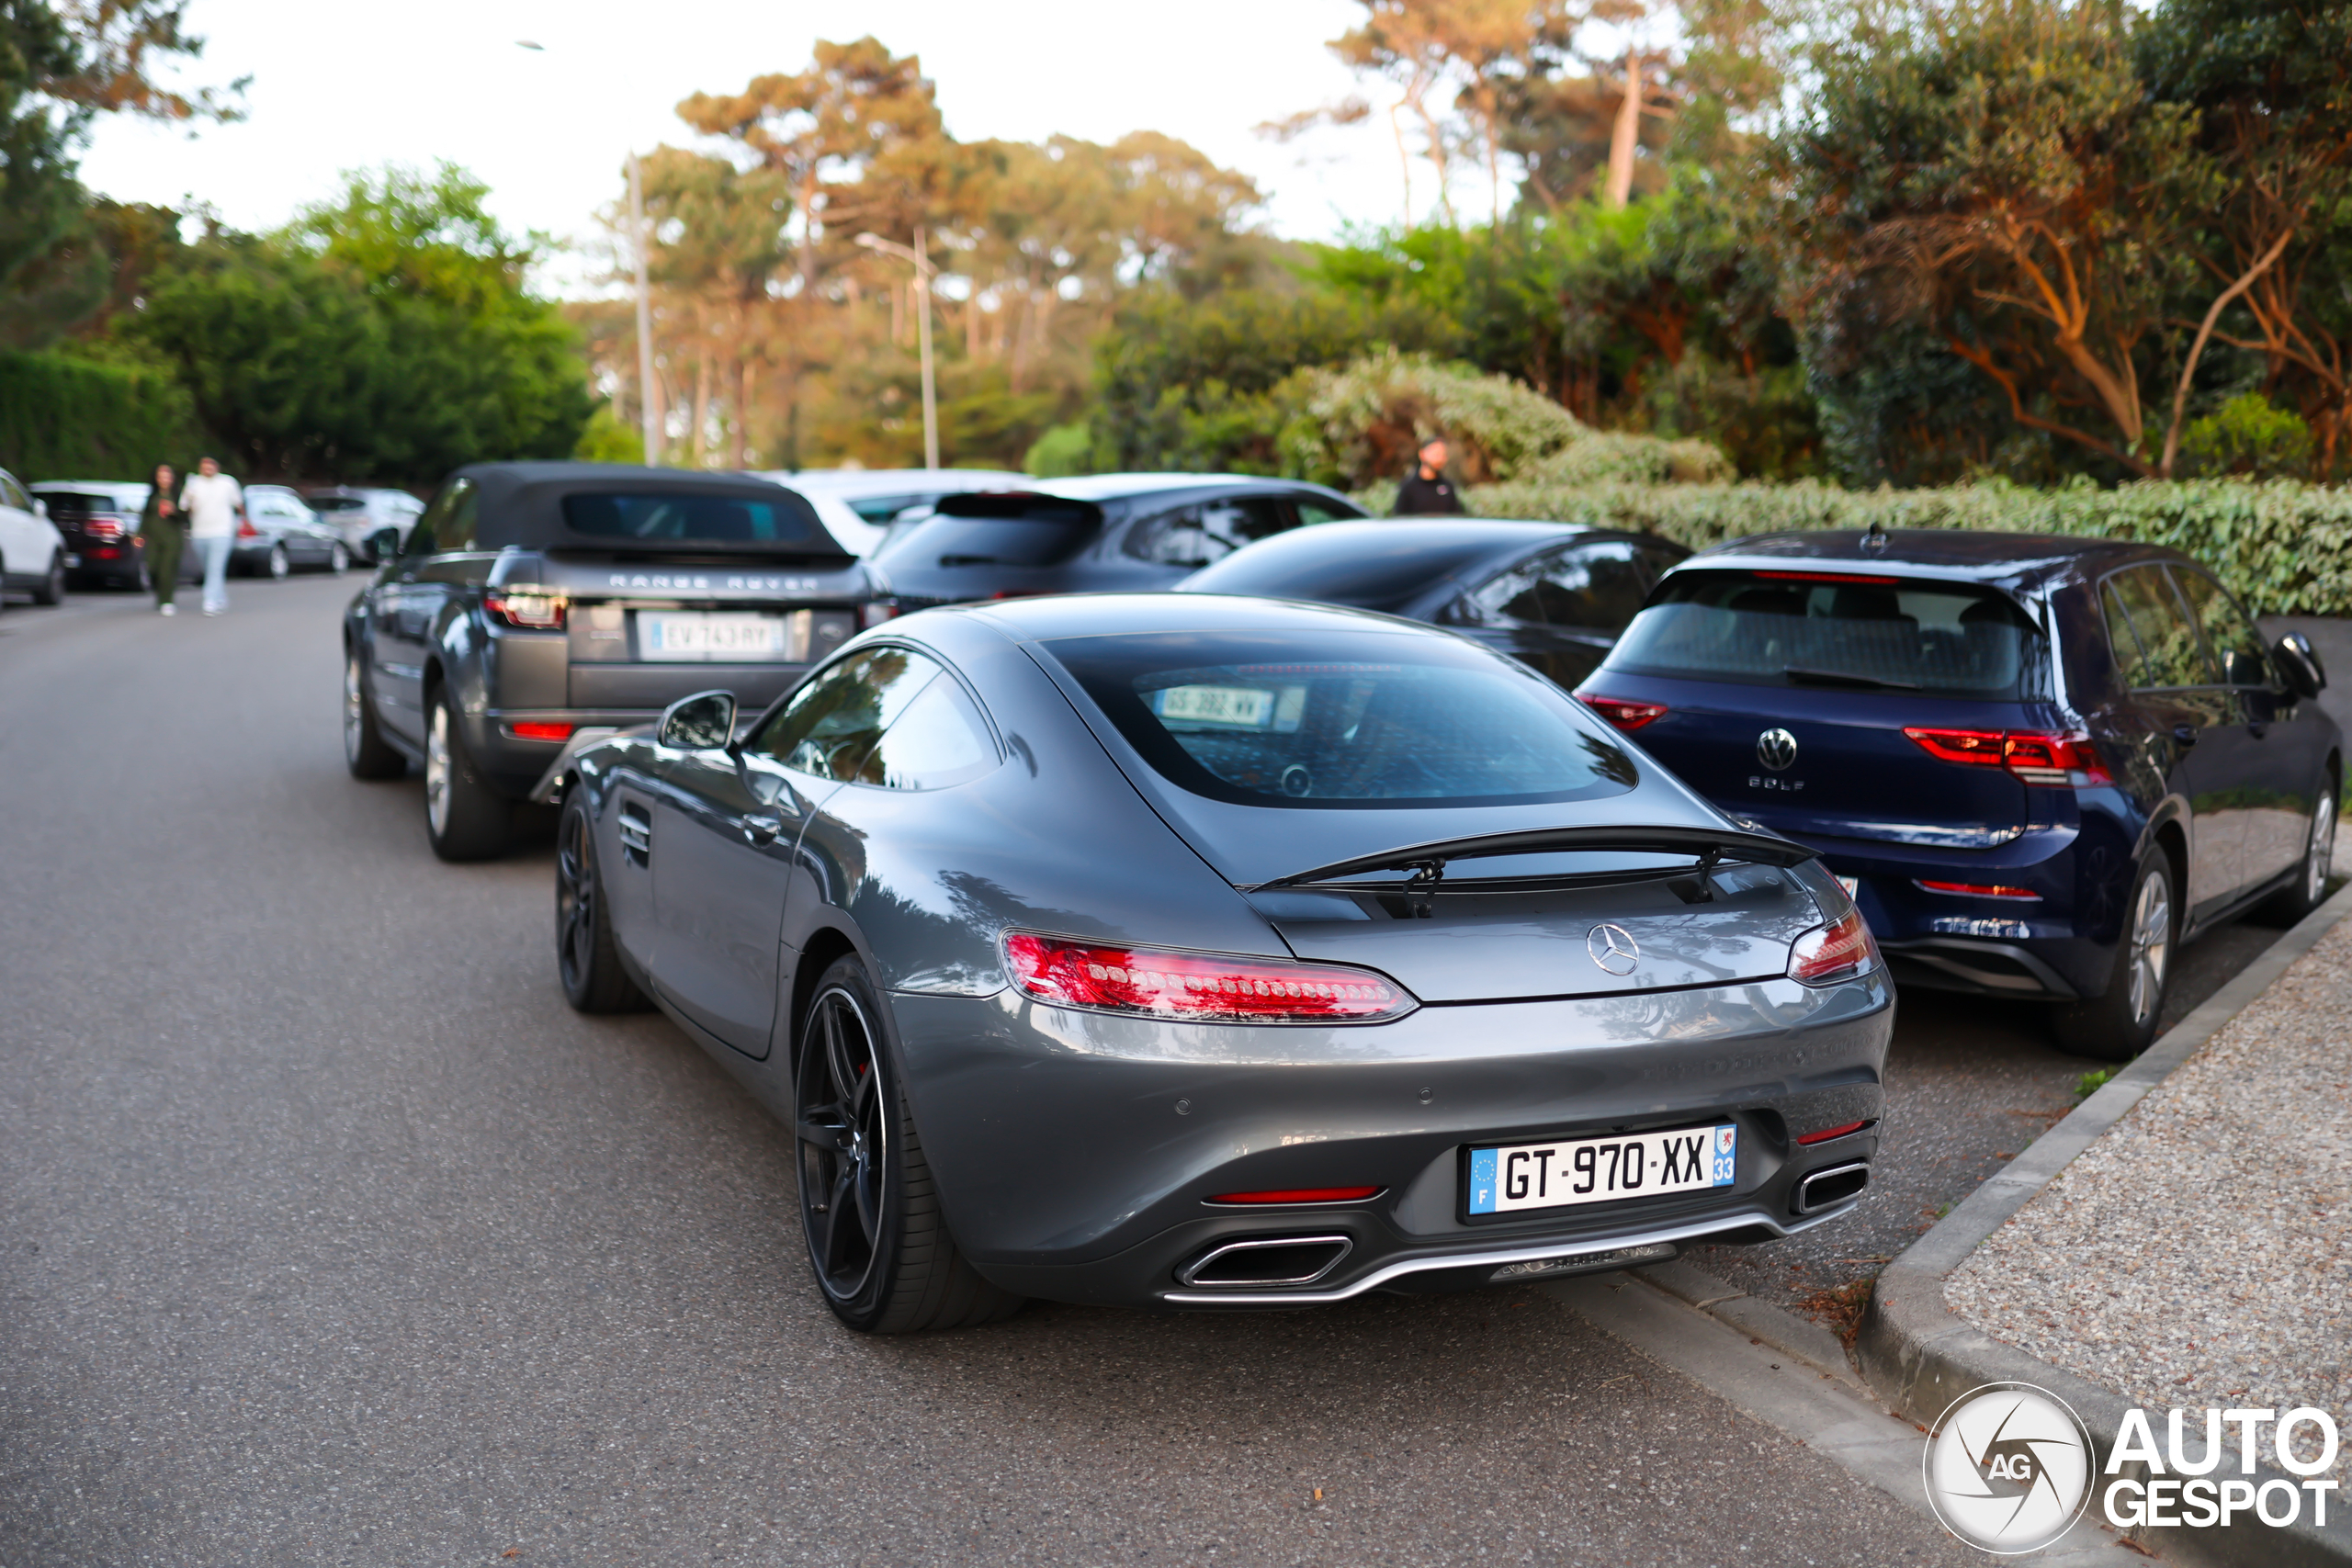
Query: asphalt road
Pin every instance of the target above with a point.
(328, 1235)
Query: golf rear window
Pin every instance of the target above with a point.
(1349, 720)
(683, 518)
(1863, 632)
(991, 529)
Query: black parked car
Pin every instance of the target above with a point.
(99, 520)
(2042, 762)
(1120, 533)
(536, 607)
(1552, 594)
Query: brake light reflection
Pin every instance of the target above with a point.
(1623, 713)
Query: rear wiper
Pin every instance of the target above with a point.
(1805, 677)
(1427, 861)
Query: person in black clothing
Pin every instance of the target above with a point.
(1428, 493)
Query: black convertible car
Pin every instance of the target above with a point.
(1200, 951)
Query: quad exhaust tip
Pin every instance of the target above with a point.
(1820, 1190)
(1267, 1261)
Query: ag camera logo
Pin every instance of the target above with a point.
(2008, 1468)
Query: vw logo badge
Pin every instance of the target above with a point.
(1776, 749)
(1613, 948)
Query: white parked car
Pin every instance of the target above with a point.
(33, 558)
(858, 506)
(374, 521)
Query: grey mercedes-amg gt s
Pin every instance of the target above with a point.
(1195, 951)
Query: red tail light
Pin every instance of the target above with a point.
(1982, 890)
(105, 552)
(245, 529)
(1828, 1133)
(1208, 987)
(1827, 954)
(873, 612)
(526, 609)
(103, 528)
(540, 732)
(2035, 757)
(1829, 577)
(1621, 713)
(1300, 1195)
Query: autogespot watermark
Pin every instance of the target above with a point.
(2011, 1468)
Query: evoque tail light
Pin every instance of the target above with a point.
(530, 610)
(1827, 954)
(1207, 987)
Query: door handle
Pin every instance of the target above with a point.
(761, 832)
(2185, 734)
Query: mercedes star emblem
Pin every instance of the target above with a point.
(1613, 948)
(1776, 749)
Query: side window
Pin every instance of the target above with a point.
(450, 518)
(1658, 561)
(1206, 532)
(1599, 586)
(1515, 595)
(938, 741)
(2170, 653)
(1312, 511)
(831, 724)
(2235, 644)
(13, 494)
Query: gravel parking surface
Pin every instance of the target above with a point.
(328, 1235)
(2200, 1253)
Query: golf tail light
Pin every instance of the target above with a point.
(1205, 987)
(1623, 713)
(1827, 954)
(2035, 757)
(525, 610)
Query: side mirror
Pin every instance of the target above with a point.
(41, 509)
(704, 722)
(2298, 664)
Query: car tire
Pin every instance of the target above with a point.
(464, 818)
(52, 587)
(587, 960)
(364, 750)
(2309, 890)
(869, 1208)
(2120, 1024)
(279, 563)
(338, 559)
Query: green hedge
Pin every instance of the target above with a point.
(2285, 546)
(68, 419)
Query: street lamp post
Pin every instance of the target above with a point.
(648, 411)
(919, 256)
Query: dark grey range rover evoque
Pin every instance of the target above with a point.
(1190, 951)
(536, 607)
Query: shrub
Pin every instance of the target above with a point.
(62, 418)
(2285, 546)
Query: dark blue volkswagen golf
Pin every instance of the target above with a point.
(2039, 763)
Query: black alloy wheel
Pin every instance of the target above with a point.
(52, 587)
(869, 1210)
(2122, 1022)
(587, 959)
(364, 750)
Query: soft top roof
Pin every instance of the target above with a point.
(521, 504)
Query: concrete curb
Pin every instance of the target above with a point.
(1920, 1357)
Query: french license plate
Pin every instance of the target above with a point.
(1601, 1170)
(690, 635)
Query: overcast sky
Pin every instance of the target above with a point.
(341, 86)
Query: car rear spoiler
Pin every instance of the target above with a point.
(1428, 862)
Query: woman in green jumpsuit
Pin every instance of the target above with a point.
(164, 529)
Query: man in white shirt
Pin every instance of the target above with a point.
(210, 503)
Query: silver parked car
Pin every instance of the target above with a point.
(374, 521)
(280, 534)
(1192, 950)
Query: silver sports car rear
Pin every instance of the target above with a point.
(1199, 951)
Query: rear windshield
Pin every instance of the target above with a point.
(1036, 537)
(1862, 632)
(1351, 569)
(685, 518)
(1348, 721)
(336, 503)
(75, 502)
